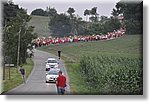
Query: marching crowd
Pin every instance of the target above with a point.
(52, 40)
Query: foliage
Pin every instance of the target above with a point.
(74, 25)
(72, 21)
(112, 75)
(51, 11)
(96, 28)
(100, 27)
(94, 14)
(104, 26)
(133, 15)
(10, 10)
(111, 25)
(39, 12)
(86, 13)
(114, 12)
(48, 12)
(71, 11)
(59, 25)
(15, 25)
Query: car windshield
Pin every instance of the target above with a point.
(53, 73)
(51, 61)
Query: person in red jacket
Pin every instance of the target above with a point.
(61, 83)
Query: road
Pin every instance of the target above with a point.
(36, 81)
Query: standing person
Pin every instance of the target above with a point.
(22, 71)
(61, 83)
(59, 53)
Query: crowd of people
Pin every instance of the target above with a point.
(53, 40)
(61, 80)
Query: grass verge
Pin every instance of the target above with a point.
(15, 77)
(77, 85)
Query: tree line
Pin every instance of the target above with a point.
(124, 14)
(133, 15)
(17, 35)
(69, 24)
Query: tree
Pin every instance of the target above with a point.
(10, 10)
(105, 25)
(133, 15)
(60, 25)
(79, 28)
(94, 14)
(92, 18)
(103, 18)
(93, 11)
(86, 13)
(111, 25)
(115, 13)
(70, 11)
(39, 12)
(51, 11)
(15, 24)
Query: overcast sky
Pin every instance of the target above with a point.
(104, 7)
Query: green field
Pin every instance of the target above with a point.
(112, 75)
(41, 25)
(128, 46)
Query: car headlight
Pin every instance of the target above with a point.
(47, 78)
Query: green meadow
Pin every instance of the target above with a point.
(41, 25)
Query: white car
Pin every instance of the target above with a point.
(51, 63)
(51, 76)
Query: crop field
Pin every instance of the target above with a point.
(103, 67)
(112, 75)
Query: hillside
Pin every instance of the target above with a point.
(125, 51)
(128, 46)
(97, 61)
(41, 25)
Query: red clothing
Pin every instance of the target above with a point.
(61, 81)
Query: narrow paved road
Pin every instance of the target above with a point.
(36, 81)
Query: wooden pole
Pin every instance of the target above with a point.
(9, 72)
(18, 51)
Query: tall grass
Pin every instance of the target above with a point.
(112, 75)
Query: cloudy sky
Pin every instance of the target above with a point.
(104, 7)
